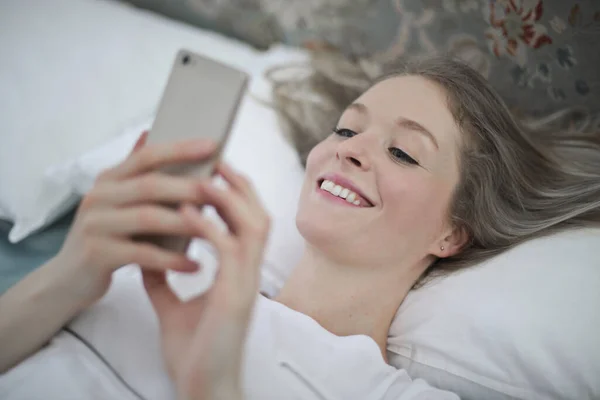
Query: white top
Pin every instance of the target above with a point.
(113, 352)
(290, 356)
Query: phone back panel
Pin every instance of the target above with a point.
(201, 99)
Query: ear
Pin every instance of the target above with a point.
(450, 243)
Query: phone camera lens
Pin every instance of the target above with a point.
(185, 59)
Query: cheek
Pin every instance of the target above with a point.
(316, 161)
(415, 204)
(318, 156)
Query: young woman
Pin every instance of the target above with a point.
(425, 171)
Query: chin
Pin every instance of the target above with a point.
(318, 227)
(314, 225)
(329, 234)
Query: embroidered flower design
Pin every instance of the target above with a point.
(565, 58)
(582, 87)
(521, 76)
(516, 29)
(543, 72)
(558, 24)
(556, 94)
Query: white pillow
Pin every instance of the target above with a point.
(523, 325)
(256, 148)
(75, 73)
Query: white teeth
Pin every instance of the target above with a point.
(338, 190)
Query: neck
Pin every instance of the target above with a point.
(348, 300)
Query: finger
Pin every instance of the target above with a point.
(115, 252)
(238, 182)
(236, 282)
(150, 187)
(160, 294)
(140, 142)
(157, 156)
(207, 229)
(258, 225)
(223, 243)
(143, 219)
(230, 205)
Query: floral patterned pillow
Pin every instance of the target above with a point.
(541, 55)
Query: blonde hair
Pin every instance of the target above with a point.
(520, 179)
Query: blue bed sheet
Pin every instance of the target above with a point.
(18, 259)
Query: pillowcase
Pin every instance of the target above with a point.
(522, 325)
(74, 74)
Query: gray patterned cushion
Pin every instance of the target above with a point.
(541, 55)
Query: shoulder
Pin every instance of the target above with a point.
(316, 362)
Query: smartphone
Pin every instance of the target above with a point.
(201, 99)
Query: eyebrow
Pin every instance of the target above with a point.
(401, 122)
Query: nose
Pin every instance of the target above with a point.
(352, 151)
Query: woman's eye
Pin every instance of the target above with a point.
(344, 132)
(402, 156)
(395, 152)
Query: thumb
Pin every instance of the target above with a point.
(160, 294)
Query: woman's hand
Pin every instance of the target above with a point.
(203, 338)
(125, 202)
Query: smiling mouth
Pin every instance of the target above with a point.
(342, 194)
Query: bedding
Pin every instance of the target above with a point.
(71, 82)
(109, 352)
(19, 259)
(522, 325)
(132, 363)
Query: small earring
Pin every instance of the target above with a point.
(442, 248)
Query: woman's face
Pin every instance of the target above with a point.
(394, 156)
